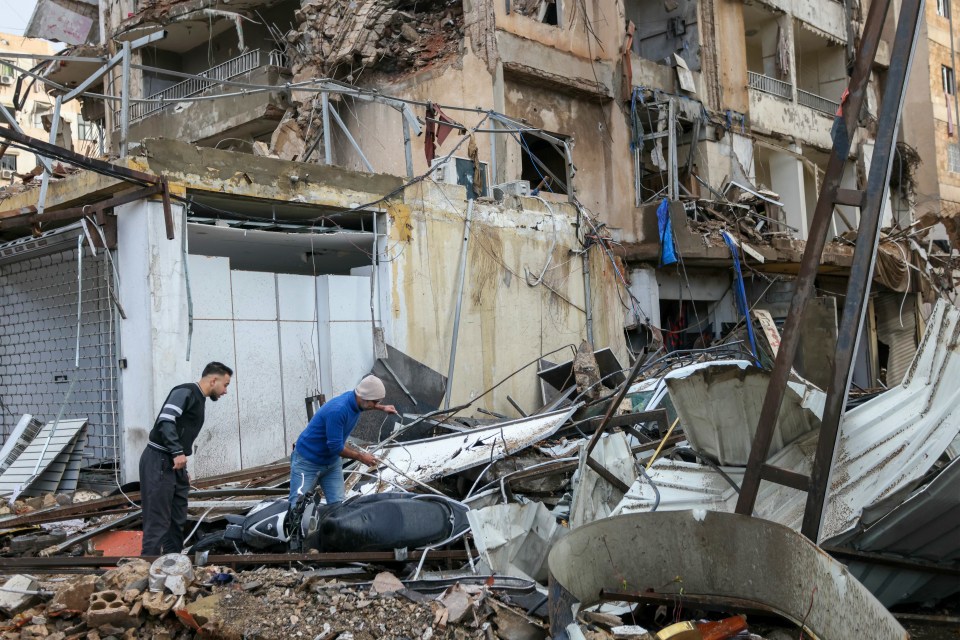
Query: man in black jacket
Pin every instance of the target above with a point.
(164, 481)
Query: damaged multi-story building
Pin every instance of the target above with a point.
(479, 185)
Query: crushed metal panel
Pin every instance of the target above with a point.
(68, 21)
(593, 496)
(19, 439)
(422, 382)
(890, 442)
(514, 540)
(924, 527)
(21, 475)
(410, 463)
(693, 552)
(719, 408)
(560, 376)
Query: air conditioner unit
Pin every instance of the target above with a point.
(6, 79)
(516, 188)
(456, 170)
(6, 174)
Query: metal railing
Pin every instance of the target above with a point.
(818, 103)
(232, 68)
(766, 84)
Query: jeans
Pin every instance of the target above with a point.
(304, 476)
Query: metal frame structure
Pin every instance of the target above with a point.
(870, 201)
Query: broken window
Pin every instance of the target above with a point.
(953, 158)
(87, 130)
(946, 75)
(6, 71)
(943, 8)
(8, 162)
(664, 29)
(543, 164)
(545, 11)
(40, 109)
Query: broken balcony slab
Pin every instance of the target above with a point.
(720, 554)
(410, 464)
(719, 408)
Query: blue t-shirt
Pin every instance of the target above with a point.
(326, 433)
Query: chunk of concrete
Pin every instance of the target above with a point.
(129, 572)
(11, 602)
(74, 595)
(158, 604)
(386, 582)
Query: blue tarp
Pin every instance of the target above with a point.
(667, 253)
(741, 295)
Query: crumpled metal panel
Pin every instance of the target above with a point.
(719, 408)
(925, 527)
(514, 540)
(410, 463)
(708, 553)
(889, 443)
(593, 496)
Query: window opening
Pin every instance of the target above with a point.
(542, 164)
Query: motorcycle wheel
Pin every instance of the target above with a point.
(214, 542)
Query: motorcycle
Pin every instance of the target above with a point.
(378, 522)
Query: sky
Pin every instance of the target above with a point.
(14, 15)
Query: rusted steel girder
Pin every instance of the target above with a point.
(864, 259)
(830, 195)
(49, 150)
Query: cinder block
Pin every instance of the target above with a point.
(107, 607)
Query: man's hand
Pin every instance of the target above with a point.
(387, 408)
(180, 462)
(367, 459)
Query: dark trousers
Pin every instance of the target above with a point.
(163, 496)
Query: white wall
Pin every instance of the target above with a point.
(152, 338)
(786, 175)
(346, 332)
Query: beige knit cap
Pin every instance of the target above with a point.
(371, 388)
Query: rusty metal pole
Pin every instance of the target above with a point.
(864, 258)
(844, 129)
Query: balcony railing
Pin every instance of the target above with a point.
(766, 84)
(232, 68)
(819, 103)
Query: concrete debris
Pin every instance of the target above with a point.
(335, 39)
(17, 595)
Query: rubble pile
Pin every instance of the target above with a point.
(336, 39)
(266, 603)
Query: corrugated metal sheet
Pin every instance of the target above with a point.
(719, 408)
(410, 463)
(19, 439)
(68, 436)
(897, 328)
(887, 446)
(924, 527)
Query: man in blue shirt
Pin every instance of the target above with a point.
(319, 449)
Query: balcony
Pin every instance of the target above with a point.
(244, 63)
(817, 103)
(175, 112)
(766, 84)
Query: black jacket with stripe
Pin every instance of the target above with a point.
(179, 421)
